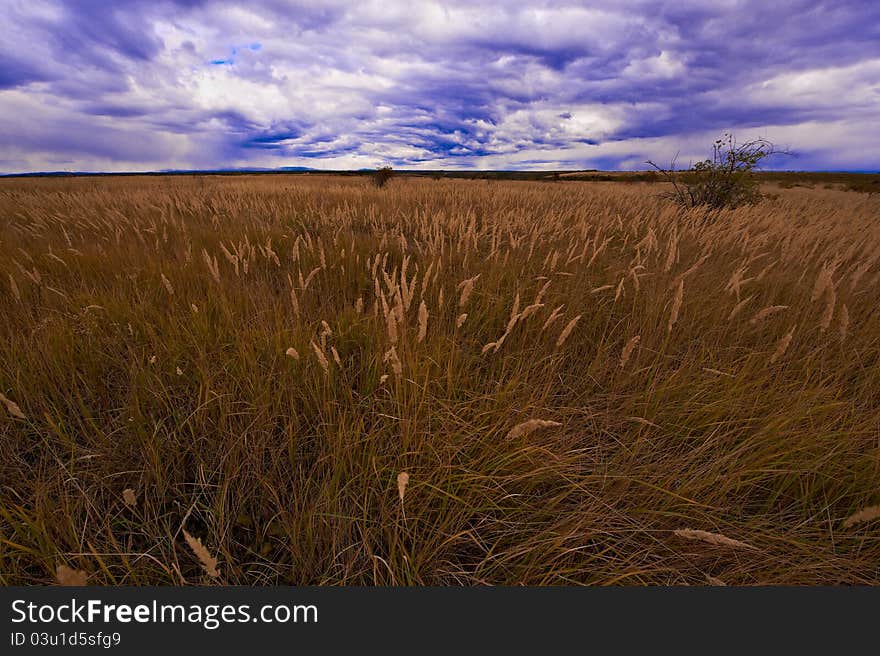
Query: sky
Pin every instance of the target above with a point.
(91, 85)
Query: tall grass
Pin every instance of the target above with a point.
(237, 380)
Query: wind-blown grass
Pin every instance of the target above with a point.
(244, 376)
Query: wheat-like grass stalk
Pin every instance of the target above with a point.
(211, 263)
(14, 287)
(738, 307)
(766, 312)
(530, 426)
(402, 482)
(209, 563)
(540, 296)
(567, 331)
(718, 372)
(844, 322)
(676, 305)
(293, 353)
(309, 277)
(782, 345)
(530, 310)
(712, 538)
(858, 273)
(628, 349)
(68, 576)
(823, 282)
(734, 285)
(423, 321)
(828, 312)
(554, 315)
(864, 515)
(168, 287)
(392, 357)
(391, 327)
(461, 319)
(466, 288)
(294, 301)
(322, 359)
(671, 253)
(12, 407)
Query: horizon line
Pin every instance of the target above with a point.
(305, 170)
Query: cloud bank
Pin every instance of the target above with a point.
(164, 84)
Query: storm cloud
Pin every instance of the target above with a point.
(148, 85)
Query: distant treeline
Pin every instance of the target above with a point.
(853, 181)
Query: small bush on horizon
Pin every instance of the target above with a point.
(726, 180)
(382, 176)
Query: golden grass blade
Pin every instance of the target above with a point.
(738, 307)
(14, 287)
(530, 426)
(864, 515)
(676, 305)
(823, 282)
(12, 407)
(322, 359)
(423, 321)
(628, 349)
(391, 327)
(557, 312)
(712, 538)
(466, 288)
(567, 330)
(782, 345)
(767, 312)
(828, 312)
(392, 357)
(209, 563)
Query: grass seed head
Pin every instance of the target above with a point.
(712, 538)
(530, 426)
(68, 576)
(12, 407)
(402, 482)
(209, 563)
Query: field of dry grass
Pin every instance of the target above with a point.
(449, 382)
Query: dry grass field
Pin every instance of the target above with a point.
(312, 381)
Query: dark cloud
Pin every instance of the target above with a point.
(16, 72)
(522, 84)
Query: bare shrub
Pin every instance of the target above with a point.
(726, 180)
(382, 176)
